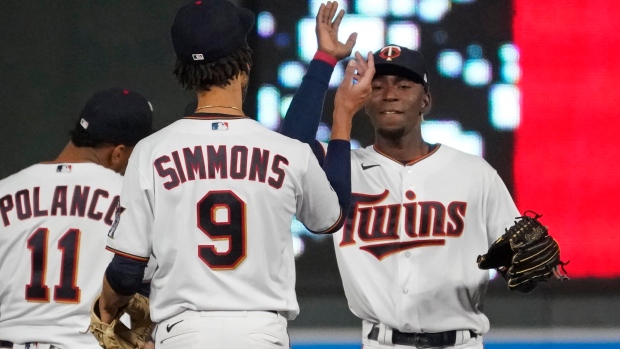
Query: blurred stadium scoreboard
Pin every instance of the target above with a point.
(485, 95)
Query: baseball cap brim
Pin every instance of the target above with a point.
(393, 69)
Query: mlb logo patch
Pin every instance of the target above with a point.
(219, 126)
(64, 168)
(198, 57)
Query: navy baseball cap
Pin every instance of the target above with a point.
(205, 31)
(401, 61)
(117, 116)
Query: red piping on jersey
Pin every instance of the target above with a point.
(214, 116)
(412, 161)
(125, 254)
(331, 229)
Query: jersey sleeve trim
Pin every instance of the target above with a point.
(334, 228)
(326, 57)
(127, 255)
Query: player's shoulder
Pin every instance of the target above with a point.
(50, 172)
(462, 159)
(279, 141)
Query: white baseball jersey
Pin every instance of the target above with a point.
(54, 220)
(407, 253)
(213, 198)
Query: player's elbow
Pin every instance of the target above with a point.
(339, 222)
(125, 275)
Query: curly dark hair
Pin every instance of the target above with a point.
(82, 139)
(201, 77)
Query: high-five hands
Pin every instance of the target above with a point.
(327, 31)
(353, 92)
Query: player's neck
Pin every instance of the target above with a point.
(406, 149)
(225, 100)
(72, 153)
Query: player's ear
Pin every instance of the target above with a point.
(119, 158)
(426, 103)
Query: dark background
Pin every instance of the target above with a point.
(55, 54)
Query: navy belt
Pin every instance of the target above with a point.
(420, 340)
(6, 344)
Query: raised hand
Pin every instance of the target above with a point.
(327, 31)
(353, 92)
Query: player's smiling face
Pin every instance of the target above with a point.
(395, 105)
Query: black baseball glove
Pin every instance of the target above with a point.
(526, 255)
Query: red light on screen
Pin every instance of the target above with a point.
(567, 157)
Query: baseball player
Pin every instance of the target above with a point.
(54, 220)
(213, 195)
(420, 213)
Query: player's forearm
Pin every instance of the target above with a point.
(110, 302)
(341, 125)
(337, 168)
(304, 113)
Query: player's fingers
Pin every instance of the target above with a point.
(332, 12)
(371, 62)
(319, 15)
(349, 72)
(369, 73)
(361, 66)
(336, 23)
(351, 42)
(327, 9)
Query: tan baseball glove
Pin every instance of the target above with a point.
(116, 335)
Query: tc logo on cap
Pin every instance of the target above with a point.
(198, 57)
(389, 52)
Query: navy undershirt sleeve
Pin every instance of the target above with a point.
(125, 275)
(145, 289)
(304, 113)
(337, 168)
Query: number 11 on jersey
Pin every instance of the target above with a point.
(66, 291)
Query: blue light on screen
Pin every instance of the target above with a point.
(285, 104)
(450, 63)
(265, 24)
(404, 34)
(451, 134)
(372, 7)
(504, 106)
(291, 73)
(402, 8)
(477, 72)
(509, 53)
(268, 106)
(510, 72)
(337, 76)
(433, 10)
(474, 51)
(323, 132)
